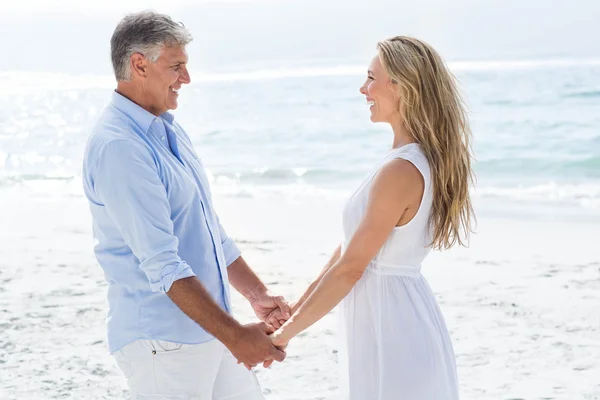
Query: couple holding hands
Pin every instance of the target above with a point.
(170, 264)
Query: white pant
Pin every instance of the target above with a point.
(157, 369)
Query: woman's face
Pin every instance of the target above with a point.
(380, 94)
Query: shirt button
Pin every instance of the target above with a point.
(162, 138)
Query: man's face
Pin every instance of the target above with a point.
(164, 79)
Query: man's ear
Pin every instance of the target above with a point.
(138, 64)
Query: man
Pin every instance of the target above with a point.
(165, 255)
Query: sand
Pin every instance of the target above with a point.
(522, 303)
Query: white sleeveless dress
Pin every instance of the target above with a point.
(394, 342)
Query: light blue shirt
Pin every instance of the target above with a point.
(153, 223)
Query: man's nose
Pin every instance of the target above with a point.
(185, 77)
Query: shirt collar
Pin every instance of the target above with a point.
(167, 116)
(142, 118)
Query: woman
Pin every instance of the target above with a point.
(395, 344)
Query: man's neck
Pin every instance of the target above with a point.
(136, 95)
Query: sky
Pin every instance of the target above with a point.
(72, 36)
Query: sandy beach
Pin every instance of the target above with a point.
(522, 303)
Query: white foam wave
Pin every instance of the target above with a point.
(585, 195)
(291, 191)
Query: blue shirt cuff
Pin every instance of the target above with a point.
(231, 251)
(171, 273)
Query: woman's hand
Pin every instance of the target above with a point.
(279, 342)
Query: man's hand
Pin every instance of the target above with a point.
(273, 310)
(252, 345)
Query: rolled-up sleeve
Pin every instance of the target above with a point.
(127, 183)
(230, 249)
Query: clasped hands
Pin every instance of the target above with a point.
(258, 342)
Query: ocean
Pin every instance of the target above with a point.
(303, 131)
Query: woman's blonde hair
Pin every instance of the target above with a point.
(434, 114)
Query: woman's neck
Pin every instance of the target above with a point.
(401, 137)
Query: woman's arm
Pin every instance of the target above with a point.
(334, 258)
(397, 187)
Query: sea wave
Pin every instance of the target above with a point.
(586, 94)
(267, 175)
(574, 166)
(586, 195)
(583, 195)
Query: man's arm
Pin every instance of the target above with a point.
(241, 276)
(247, 343)
(244, 280)
(127, 184)
(269, 308)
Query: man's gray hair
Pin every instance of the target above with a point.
(147, 33)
